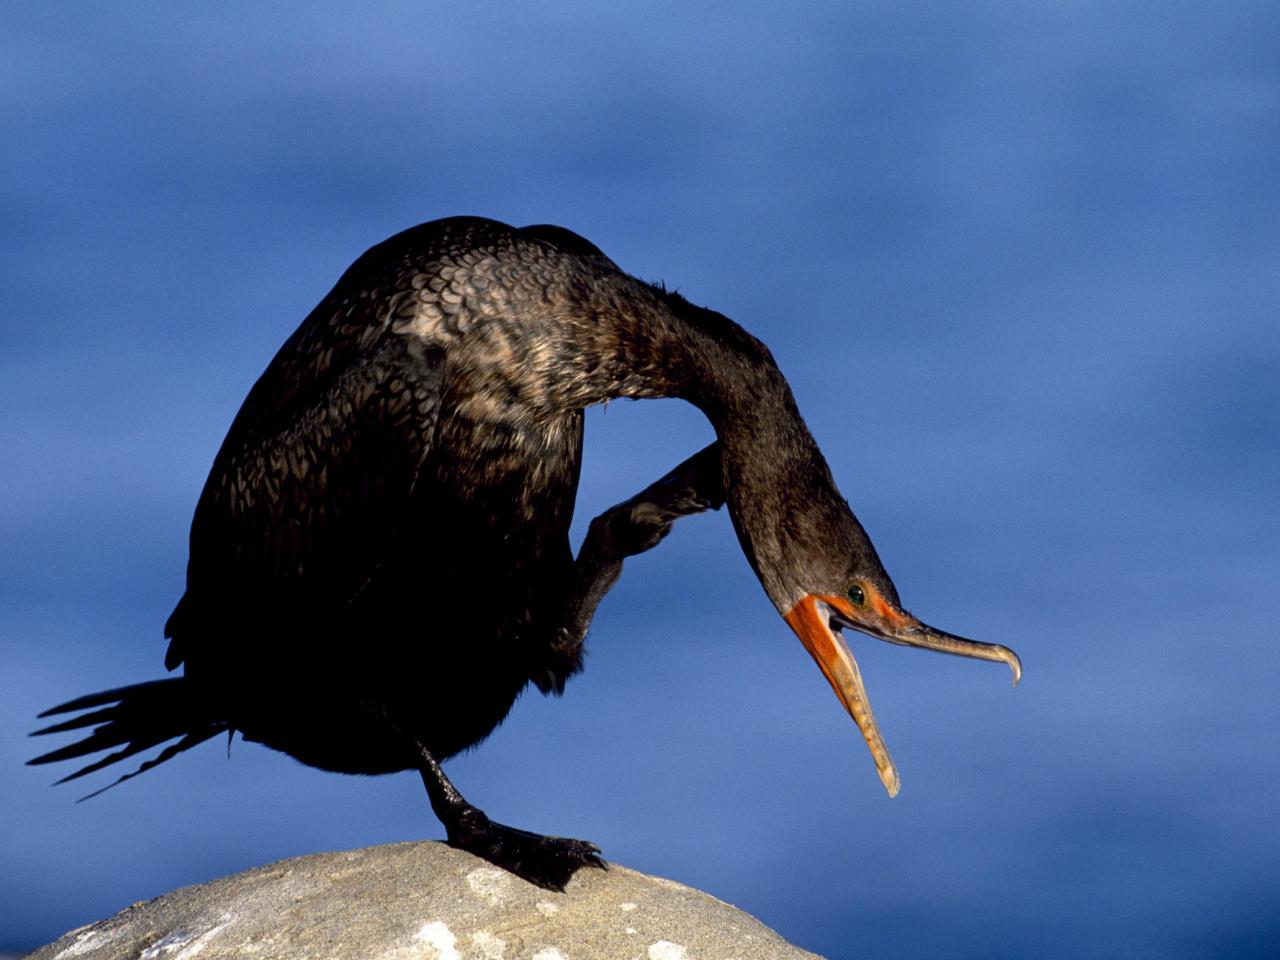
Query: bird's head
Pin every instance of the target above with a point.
(822, 573)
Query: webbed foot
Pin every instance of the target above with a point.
(547, 862)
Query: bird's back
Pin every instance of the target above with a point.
(386, 517)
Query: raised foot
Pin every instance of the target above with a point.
(547, 862)
(640, 523)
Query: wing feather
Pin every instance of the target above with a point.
(310, 503)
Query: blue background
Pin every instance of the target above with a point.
(1020, 264)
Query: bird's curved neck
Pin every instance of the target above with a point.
(613, 336)
(777, 482)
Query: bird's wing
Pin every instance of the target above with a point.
(315, 476)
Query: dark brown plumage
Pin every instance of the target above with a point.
(380, 559)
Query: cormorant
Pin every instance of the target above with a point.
(380, 558)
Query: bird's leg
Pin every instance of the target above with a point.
(624, 530)
(547, 862)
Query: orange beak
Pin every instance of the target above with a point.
(816, 621)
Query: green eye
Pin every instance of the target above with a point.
(856, 596)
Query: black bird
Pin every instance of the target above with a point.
(380, 560)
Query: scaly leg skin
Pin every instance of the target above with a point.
(624, 530)
(547, 862)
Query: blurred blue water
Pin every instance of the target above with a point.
(1021, 267)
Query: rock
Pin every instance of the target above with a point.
(424, 901)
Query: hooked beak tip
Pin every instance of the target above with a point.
(1015, 665)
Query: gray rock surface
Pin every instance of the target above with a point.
(424, 901)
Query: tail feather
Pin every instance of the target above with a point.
(75, 723)
(91, 746)
(168, 753)
(134, 719)
(134, 691)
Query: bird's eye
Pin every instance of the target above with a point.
(856, 596)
